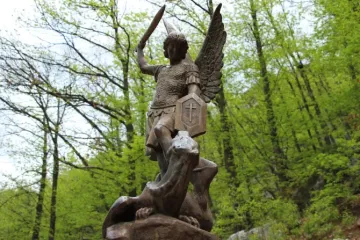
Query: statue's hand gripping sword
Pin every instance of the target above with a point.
(152, 27)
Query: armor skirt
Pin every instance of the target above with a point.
(156, 117)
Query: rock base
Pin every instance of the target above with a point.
(157, 227)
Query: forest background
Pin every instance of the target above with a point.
(284, 129)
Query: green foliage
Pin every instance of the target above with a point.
(17, 211)
(295, 147)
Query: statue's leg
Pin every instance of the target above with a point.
(203, 174)
(163, 135)
(163, 164)
(196, 204)
(169, 193)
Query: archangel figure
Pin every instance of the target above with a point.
(181, 78)
(176, 115)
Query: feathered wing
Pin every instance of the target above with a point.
(210, 58)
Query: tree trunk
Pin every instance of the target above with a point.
(55, 177)
(279, 165)
(124, 59)
(129, 128)
(289, 55)
(293, 133)
(40, 201)
(228, 156)
(228, 152)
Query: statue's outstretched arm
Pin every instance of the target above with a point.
(144, 67)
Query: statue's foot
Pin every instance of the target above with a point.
(190, 220)
(143, 213)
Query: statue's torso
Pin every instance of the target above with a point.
(171, 86)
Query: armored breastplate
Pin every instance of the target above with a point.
(171, 86)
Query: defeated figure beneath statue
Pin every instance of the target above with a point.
(169, 194)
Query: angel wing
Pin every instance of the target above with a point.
(209, 60)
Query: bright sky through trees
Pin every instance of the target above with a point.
(10, 12)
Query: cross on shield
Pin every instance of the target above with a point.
(191, 115)
(191, 106)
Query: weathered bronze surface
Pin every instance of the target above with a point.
(177, 113)
(158, 227)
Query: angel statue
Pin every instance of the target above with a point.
(176, 115)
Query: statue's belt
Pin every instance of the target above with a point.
(158, 111)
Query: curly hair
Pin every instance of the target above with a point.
(180, 41)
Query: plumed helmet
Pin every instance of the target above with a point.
(174, 35)
(177, 36)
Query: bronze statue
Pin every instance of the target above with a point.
(177, 113)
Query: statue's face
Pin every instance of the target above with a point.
(172, 51)
(175, 49)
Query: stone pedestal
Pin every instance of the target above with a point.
(157, 227)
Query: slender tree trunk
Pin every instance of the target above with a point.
(329, 139)
(124, 59)
(352, 72)
(228, 156)
(279, 165)
(293, 133)
(289, 56)
(40, 201)
(55, 177)
(228, 152)
(129, 128)
(129, 125)
(142, 111)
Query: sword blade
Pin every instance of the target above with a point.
(153, 25)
